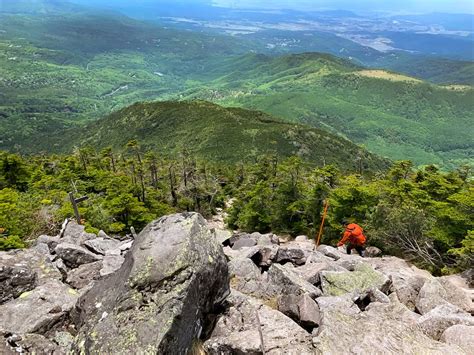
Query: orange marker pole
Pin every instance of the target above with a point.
(326, 206)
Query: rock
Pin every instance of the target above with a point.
(436, 321)
(236, 331)
(110, 264)
(75, 234)
(288, 305)
(315, 257)
(59, 264)
(301, 238)
(102, 245)
(381, 329)
(330, 252)
(37, 311)
(292, 254)
(263, 255)
(126, 245)
(43, 248)
(32, 344)
(275, 239)
(244, 268)
(462, 283)
(231, 254)
(22, 270)
(244, 243)
(438, 291)
(372, 252)
(457, 295)
(288, 282)
(15, 279)
(407, 280)
(265, 240)
(375, 295)
(236, 237)
(74, 255)
(245, 276)
(311, 272)
(309, 316)
(84, 274)
(102, 235)
(336, 283)
(52, 242)
(460, 335)
(222, 236)
(65, 340)
(157, 302)
(468, 276)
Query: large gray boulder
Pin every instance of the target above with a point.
(84, 275)
(291, 254)
(438, 291)
(37, 311)
(30, 344)
(285, 281)
(15, 279)
(74, 255)
(245, 276)
(51, 242)
(407, 280)
(330, 252)
(157, 302)
(110, 264)
(380, 329)
(237, 331)
(460, 335)
(363, 278)
(23, 270)
(75, 234)
(102, 245)
(308, 312)
(436, 321)
(311, 271)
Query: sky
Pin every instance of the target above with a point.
(397, 6)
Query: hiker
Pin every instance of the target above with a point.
(354, 237)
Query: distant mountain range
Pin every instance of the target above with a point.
(63, 72)
(391, 114)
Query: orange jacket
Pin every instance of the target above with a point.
(353, 234)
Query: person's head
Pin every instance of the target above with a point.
(345, 222)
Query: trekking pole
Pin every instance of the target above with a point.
(326, 206)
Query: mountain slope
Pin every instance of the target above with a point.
(217, 133)
(60, 71)
(391, 114)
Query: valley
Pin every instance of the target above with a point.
(63, 72)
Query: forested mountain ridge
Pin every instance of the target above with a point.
(393, 115)
(215, 133)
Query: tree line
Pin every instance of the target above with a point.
(424, 215)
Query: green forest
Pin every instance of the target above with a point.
(424, 215)
(57, 74)
(147, 120)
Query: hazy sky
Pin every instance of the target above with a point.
(425, 6)
(398, 6)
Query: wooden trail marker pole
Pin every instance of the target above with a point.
(326, 206)
(74, 202)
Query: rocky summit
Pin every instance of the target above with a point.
(181, 287)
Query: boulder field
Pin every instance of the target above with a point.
(180, 287)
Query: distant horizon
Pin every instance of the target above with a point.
(401, 7)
